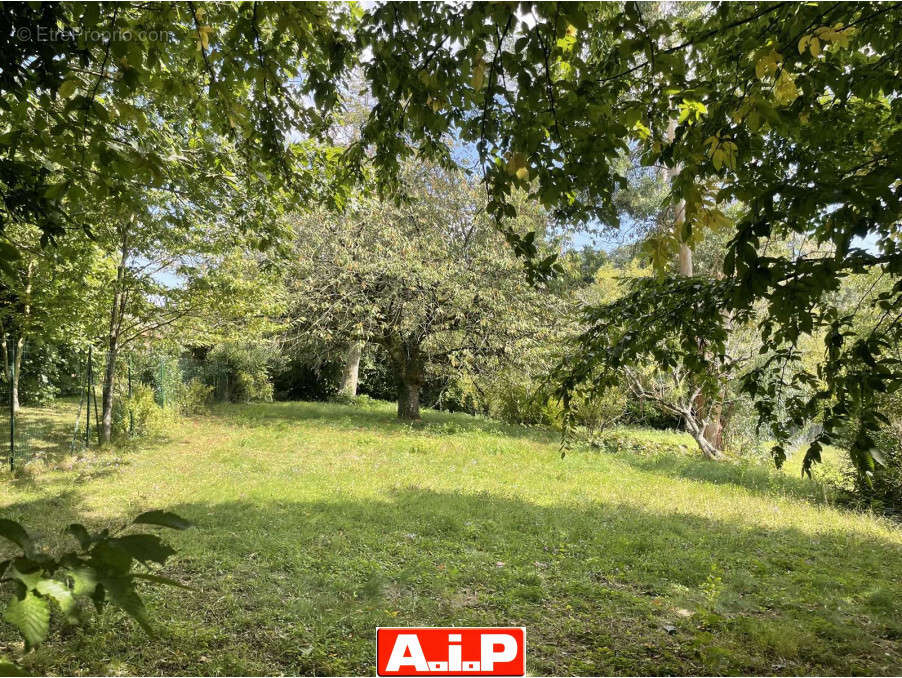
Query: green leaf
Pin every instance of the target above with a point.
(108, 556)
(26, 572)
(67, 89)
(53, 588)
(15, 533)
(31, 615)
(145, 547)
(9, 252)
(10, 669)
(163, 519)
(98, 596)
(84, 580)
(124, 596)
(80, 534)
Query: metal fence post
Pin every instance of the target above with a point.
(12, 407)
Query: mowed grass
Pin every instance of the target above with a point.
(316, 523)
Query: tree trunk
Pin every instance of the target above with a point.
(352, 368)
(679, 213)
(14, 385)
(713, 431)
(109, 374)
(685, 253)
(697, 430)
(409, 400)
(13, 372)
(408, 367)
(20, 344)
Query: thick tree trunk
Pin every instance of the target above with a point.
(409, 400)
(408, 367)
(352, 369)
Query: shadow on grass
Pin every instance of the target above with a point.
(376, 414)
(299, 588)
(44, 434)
(46, 440)
(759, 478)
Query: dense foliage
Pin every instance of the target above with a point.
(788, 110)
(428, 280)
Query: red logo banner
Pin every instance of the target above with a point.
(451, 651)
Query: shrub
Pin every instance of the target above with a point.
(47, 372)
(364, 402)
(740, 433)
(650, 442)
(881, 489)
(194, 397)
(600, 412)
(148, 418)
(239, 373)
(307, 377)
(515, 403)
(518, 404)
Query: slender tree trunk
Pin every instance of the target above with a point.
(712, 432)
(14, 385)
(352, 369)
(109, 374)
(20, 342)
(408, 367)
(5, 350)
(12, 371)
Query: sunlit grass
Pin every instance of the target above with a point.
(318, 522)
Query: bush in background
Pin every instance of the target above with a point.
(881, 489)
(307, 377)
(194, 397)
(236, 372)
(140, 411)
(48, 372)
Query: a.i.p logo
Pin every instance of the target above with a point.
(451, 651)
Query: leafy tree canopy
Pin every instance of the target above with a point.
(429, 280)
(789, 110)
(103, 101)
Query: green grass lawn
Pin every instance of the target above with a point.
(316, 523)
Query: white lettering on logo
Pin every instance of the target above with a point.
(489, 656)
(454, 652)
(404, 643)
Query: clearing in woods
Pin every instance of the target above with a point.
(316, 523)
